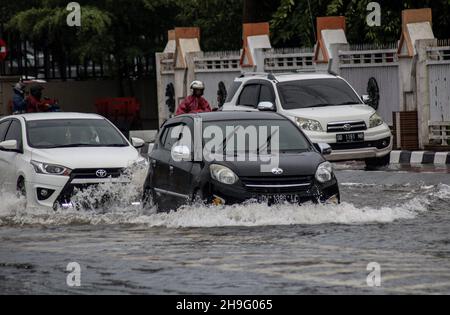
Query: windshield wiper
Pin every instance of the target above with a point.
(320, 105)
(349, 103)
(114, 145)
(86, 145)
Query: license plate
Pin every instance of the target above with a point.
(350, 137)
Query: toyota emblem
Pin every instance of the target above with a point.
(347, 127)
(101, 173)
(277, 171)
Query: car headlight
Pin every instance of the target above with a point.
(324, 172)
(309, 124)
(50, 169)
(223, 174)
(375, 121)
(142, 162)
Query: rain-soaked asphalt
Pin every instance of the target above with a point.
(398, 218)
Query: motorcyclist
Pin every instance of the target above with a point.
(195, 103)
(35, 103)
(19, 104)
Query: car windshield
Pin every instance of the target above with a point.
(66, 133)
(257, 136)
(316, 93)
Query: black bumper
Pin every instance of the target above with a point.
(240, 193)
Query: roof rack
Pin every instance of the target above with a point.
(248, 74)
(269, 75)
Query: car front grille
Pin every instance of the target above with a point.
(91, 173)
(278, 185)
(347, 126)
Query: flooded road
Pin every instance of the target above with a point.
(398, 218)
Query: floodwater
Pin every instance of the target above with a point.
(399, 219)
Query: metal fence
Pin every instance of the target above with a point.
(291, 59)
(438, 64)
(28, 60)
(363, 63)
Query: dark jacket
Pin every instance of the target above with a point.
(19, 104)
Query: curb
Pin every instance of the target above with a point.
(420, 157)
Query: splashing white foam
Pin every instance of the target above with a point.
(13, 213)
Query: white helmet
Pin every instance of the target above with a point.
(197, 85)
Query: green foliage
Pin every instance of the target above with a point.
(126, 29)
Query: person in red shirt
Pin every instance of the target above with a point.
(195, 103)
(35, 103)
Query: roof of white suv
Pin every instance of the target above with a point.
(286, 77)
(50, 116)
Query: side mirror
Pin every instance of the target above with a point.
(366, 99)
(324, 148)
(266, 107)
(137, 143)
(10, 146)
(181, 153)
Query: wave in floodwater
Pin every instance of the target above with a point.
(13, 212)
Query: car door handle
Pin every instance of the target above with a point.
(171, 168)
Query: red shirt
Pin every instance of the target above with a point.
(36, 106)
(192, 105)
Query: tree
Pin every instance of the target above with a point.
(107, 30)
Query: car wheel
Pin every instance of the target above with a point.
(149, 200)
(199, 197)
(378, 162)
(21, 190)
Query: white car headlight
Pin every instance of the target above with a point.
(50, 169)
(223, 174)
(375, 121)
(324, 172)
(309, 124)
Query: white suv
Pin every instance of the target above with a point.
(326, 108)
(48, 156)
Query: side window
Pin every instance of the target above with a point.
(3, 129)
(266, 94)
(15, 132)
(234, 88)
(172, 135)
(249, 96)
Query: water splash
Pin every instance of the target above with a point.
(13, 213)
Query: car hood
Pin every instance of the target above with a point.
(330, 114)
(298, 164)
(76, 158)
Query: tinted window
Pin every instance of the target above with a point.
(58, 133)
(250, 95)
(289, 137)
(14, 132)
(172, 135)
(3, 129)
(266, 94)
(234, 88)
(316, 93)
